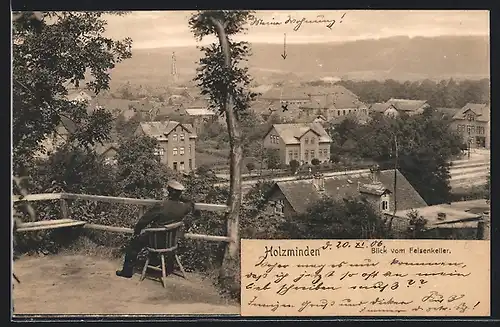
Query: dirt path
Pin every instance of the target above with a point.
(74, 284)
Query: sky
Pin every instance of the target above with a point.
(156, 29)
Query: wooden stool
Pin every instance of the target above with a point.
(162, 243)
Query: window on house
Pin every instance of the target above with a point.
(190, 148)
(181, 150)
(182, 136)
(312, 140)
(312, 154)
(174, 137)
(296, 154)
(279, 207)
(181, 166)
(338, 112)
(306, 141)
(469, 129)
(174, 151)
(190, 164)
(385, 205)
(159, 151)
(290, 155)
(307, 155)
(470, 117)
(175, 165)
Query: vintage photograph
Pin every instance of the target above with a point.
(147, 144)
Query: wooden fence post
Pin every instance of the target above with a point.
(64, 208)
(141, 211)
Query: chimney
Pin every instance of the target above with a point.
(319, 182)
(375, 171)
(441, 216)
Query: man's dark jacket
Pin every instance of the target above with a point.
(166, 212)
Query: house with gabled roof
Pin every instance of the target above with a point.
(288, 198)
(334, 101)
(176, 143)
(396, 107)
(385, 108)
(302, 142)
(472, 121)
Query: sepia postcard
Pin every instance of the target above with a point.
(225, 163)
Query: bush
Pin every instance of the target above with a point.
(294, 166)
(250, 166)
(335, 158)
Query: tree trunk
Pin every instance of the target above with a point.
(235, 157)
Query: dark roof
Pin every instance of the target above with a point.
(302, 193)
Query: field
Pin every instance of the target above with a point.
(78, 284)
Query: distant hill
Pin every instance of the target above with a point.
(400, 58)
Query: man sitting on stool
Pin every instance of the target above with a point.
(171, 210)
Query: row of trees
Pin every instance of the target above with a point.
(443, 94)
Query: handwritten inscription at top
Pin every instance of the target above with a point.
(313, 277)
(297, 22)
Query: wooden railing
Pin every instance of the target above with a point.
(142, 203)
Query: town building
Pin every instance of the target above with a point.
(473, 123)
(176, 143)
(302, 142)
(442, 222)
(396, 107)
(334, 101)
(288, 198)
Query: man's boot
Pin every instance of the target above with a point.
(128, 267)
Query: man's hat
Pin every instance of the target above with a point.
(175, 185)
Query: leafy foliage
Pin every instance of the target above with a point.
(50, 53)
(250, 166)
(337, 219)
(140, 172)
(294, 166)
(425, 146)
(417, 223)
(272, 158)
(218, 82)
